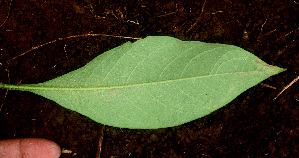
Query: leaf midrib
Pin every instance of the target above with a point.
(29, 87)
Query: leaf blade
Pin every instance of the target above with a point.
(156, 82)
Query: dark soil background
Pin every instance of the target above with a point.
(253, 125)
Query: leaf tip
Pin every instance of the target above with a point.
(270, 68)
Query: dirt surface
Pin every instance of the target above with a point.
(252, 125)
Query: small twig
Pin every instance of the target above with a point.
(286, 34)
(99, 151)
(286, 87)
(202, 9)
(167, 14)
(43, 3)
(265, 85)
(6, 90)
(263, 25)
(69, 37)
(260, 36)
(3, 99)
(219, 11)
(262, 29)
(7, 14)
(205, 155)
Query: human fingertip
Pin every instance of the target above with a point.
(29, 148)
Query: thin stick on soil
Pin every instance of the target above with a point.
(202, 9)
(99, 151)
(9, 8)
(286, 34)
(286, 87)
(69, 37)
(6, 90)
(265, 85)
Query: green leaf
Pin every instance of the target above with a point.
(155, 82)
